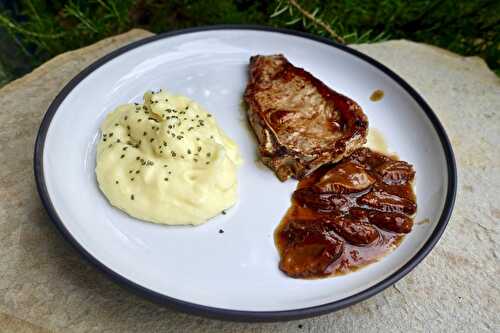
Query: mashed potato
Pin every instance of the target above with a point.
(167, 161)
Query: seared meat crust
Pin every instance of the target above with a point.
(300, 123)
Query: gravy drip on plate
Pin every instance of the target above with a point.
(377, 95)
(347, 215)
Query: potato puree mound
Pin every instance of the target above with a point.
(167, 161)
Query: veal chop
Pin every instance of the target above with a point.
(300, 123)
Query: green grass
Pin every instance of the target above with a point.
(36, 30)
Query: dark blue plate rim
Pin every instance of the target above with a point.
(237, 315)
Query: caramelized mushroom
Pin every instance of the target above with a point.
(347, 215)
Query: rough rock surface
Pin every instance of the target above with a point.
(45, 285)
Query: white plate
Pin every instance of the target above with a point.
(234, 274)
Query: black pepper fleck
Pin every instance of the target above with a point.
(224, 212)
(122, 156)
(132, 197)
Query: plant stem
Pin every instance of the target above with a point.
(317, 21)
(7, 23)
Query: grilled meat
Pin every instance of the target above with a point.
(300, 123)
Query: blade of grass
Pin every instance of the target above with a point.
(72, 9)
(7, 23)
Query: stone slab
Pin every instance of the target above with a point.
(46, 286)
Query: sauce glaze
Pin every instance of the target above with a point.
(347, 215)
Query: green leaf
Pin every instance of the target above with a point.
(279, 12)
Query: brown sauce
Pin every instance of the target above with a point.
(376, 141)
(377, 95)
(347, 215)
(424, 221)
